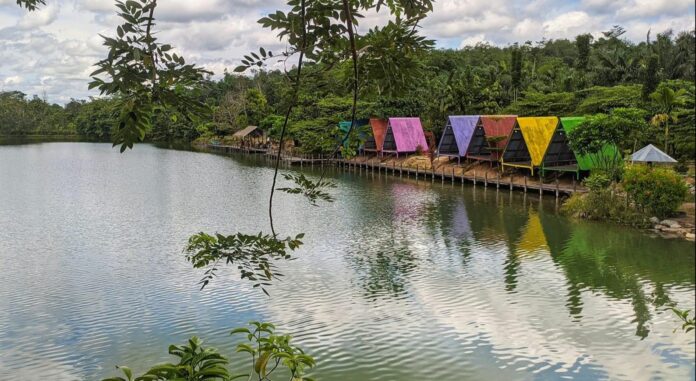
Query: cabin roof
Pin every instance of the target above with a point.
(651, 154)
(587, 162)
(463, 127)
(408, 134)
(537, 132)
(247, 131)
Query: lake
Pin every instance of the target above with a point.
(397, 280)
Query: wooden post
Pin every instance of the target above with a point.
(416, 172)
(541, 185)
(452, 175)
(556, 187)
(432, 174)
(497, 183)
(401, 170)
(442, 176)
(574, 185)
(511, 181)
(525, 184)
(474, 176)
(485, 179)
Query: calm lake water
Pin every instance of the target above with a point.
(397, 280)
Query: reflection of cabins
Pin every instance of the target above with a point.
(560, 157)
(528, 142)
(251, 136)
(490, 137)
(457, 135)
(408, 205)
(461, 227)
(374, 142)
(533, 239)
(404, 135)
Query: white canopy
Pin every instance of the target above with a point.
(651, 154)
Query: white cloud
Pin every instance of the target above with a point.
(54, 49)
(42, 17)
(473, 40)
(568, 24)
(12, 81)
(652, 8)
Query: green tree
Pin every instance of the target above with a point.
(144, 75)
(602, 130)
(516, 71)
(582, 43)
(666, 101)
(650, 79)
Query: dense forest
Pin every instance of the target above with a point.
(584, 76)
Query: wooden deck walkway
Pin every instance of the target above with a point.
(460, 175)
(232, 148)
(446, 173)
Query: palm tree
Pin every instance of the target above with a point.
(666, 100)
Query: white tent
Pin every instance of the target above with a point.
(651, 154)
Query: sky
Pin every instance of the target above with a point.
(50, 52)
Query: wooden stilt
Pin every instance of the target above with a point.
(525, 184)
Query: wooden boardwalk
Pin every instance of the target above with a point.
(446, 173)
(460, 175)
(232, 148)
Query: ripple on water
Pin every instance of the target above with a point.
(398, 280)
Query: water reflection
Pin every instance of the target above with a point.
(397, 280)
(610, 263)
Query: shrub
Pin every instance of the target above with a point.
(269, 352)
(597, 181)
(659, 191)
(603, 202)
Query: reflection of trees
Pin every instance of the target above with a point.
(512, 223)
(617, 263)
(385, 273)
(383, 270)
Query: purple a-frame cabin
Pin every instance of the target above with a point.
(457, 135)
